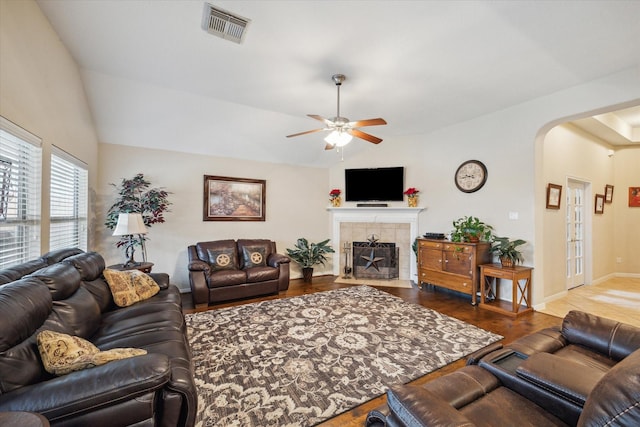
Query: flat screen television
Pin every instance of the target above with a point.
(374, 184)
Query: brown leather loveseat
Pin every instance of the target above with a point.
(224, 270)
(586, 373)
(65, 292)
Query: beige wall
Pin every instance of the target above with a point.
(296, 202)
(41, 91)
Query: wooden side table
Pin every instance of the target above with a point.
(145, 267)
(490, 275)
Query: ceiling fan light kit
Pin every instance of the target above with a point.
(342, 129)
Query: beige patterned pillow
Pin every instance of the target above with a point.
(62, 353)
(130, 286)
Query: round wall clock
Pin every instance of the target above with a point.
(471, 176)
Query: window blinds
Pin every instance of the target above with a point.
(68, 205)
(20, 177)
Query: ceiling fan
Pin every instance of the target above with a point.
(342, 130)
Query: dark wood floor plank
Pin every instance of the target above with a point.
(446, 302)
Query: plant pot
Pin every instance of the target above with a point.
(336, 202)
(307, 274)
(472, 238)
(413, 201)
(507, 262)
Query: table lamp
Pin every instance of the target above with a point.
(128, 225)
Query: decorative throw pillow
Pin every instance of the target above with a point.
(254, 256)
(222, 259)
(130, 286)
(62, 353)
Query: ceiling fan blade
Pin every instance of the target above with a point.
(322, 119)
(359, 134)
(369, 122)
(306, 132)
(329, 146)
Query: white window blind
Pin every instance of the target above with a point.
(20, 177)
(69, 196)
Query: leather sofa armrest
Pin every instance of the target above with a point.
(570, 380)
(275, 260)
(162, 279)
(91, 388)
(199, 266)
(415, 406)
(475, 357)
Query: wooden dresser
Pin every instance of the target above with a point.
(452, 265)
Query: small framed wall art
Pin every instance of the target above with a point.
(634, 197)
(233, 199)
(599, 204)
(554, 192)
(608, 193)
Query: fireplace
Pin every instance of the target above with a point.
(392, 224)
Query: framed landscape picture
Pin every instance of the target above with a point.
(554, 192)
(234, 199)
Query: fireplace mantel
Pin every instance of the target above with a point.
(392, 215)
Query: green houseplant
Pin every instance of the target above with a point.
(135, 195)
(471, 229)
(309, 254)
(506, 250)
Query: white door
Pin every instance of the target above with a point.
(576, 231)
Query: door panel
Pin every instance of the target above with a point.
(576, 191)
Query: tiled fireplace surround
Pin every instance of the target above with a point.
(397, 225)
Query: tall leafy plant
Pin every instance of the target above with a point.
(135, 195)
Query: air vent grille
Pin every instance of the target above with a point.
(224, 24)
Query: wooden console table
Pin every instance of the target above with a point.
(452, 265)
(490, 275)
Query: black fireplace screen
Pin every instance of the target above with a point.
(375, 260)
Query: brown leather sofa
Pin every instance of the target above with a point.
(65, 291)
(225, 270)
(585, 373)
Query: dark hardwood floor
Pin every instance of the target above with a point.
(446, 302)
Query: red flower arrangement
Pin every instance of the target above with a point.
(411, 192)
(335, 193)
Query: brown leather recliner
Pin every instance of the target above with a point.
(586, 373)
(225, 270)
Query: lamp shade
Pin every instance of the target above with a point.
(129, 223)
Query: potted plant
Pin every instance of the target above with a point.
(307, 255)
(506, 250)
(412, 196)
(136, 196)
(470, 229)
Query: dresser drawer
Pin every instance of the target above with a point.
(452, 247)
(447, 280)
(430, 244)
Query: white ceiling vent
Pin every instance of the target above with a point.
(224, 24)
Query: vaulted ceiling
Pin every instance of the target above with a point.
(155, 78)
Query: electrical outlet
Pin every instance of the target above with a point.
(513, 215)
(618, 260)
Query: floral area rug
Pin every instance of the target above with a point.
(299, 361)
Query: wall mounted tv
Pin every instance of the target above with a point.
(374, 185)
